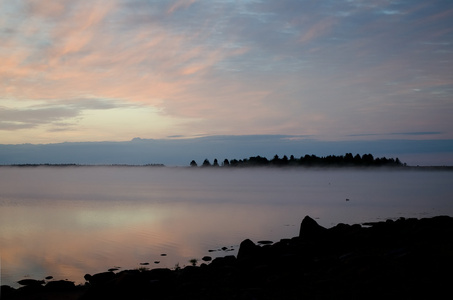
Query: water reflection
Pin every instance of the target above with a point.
(71, 221)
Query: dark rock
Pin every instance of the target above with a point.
(160, 274)
(49, 277)
(60, 285)
(30, 289)
(265, 242)
(99, 278)
(28, 282)
(206, 258)
(247, 249)
(6, 291)
(229, 260)
(310, 229)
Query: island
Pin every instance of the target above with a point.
(347, 160)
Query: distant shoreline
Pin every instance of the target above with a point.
(326, 167)
(348, 161)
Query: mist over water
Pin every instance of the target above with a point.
(68, 221)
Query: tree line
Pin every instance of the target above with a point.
(347, 160)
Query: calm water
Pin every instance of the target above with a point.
(66, 222)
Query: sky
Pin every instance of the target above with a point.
(112, 70)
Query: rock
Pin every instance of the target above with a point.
(28, 282)
(265, 242)
(99, 278)
(310, 229)
(247, 249)
(206, 258)
(160, 274)
(49, 277)
(60, 285)
(6, 291)
(229, 260)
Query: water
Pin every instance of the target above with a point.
(69, 221)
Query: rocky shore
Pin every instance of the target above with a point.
(406, 258)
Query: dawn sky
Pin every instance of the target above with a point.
(117, 69)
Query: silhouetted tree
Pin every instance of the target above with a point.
(258, 161)
(285, 160)
(206, 163)
(226, 163)
(275, 160)
(216, 163)
(367, 159)
(193, 163)
(348, 158)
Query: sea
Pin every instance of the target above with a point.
(62, 222)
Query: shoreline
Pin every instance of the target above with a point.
(290, 167)
(402, 258)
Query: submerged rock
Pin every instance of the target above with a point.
(28, 282)
(265, 242)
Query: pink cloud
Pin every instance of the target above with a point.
(86, 57)
(47, 9)
(320, 28)
(180, 4)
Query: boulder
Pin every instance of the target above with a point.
(6, 291)
(226, 261)
(160, 274)
(310, 229)
(206, 258)
(60, 285)
(99, 278)
(28, 282)
(247, 249)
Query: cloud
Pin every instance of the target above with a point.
(318, 29)
(13, 119)
(420, 133)
(53, 113)
(180, 4)
(54, 9)
(223, 67)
